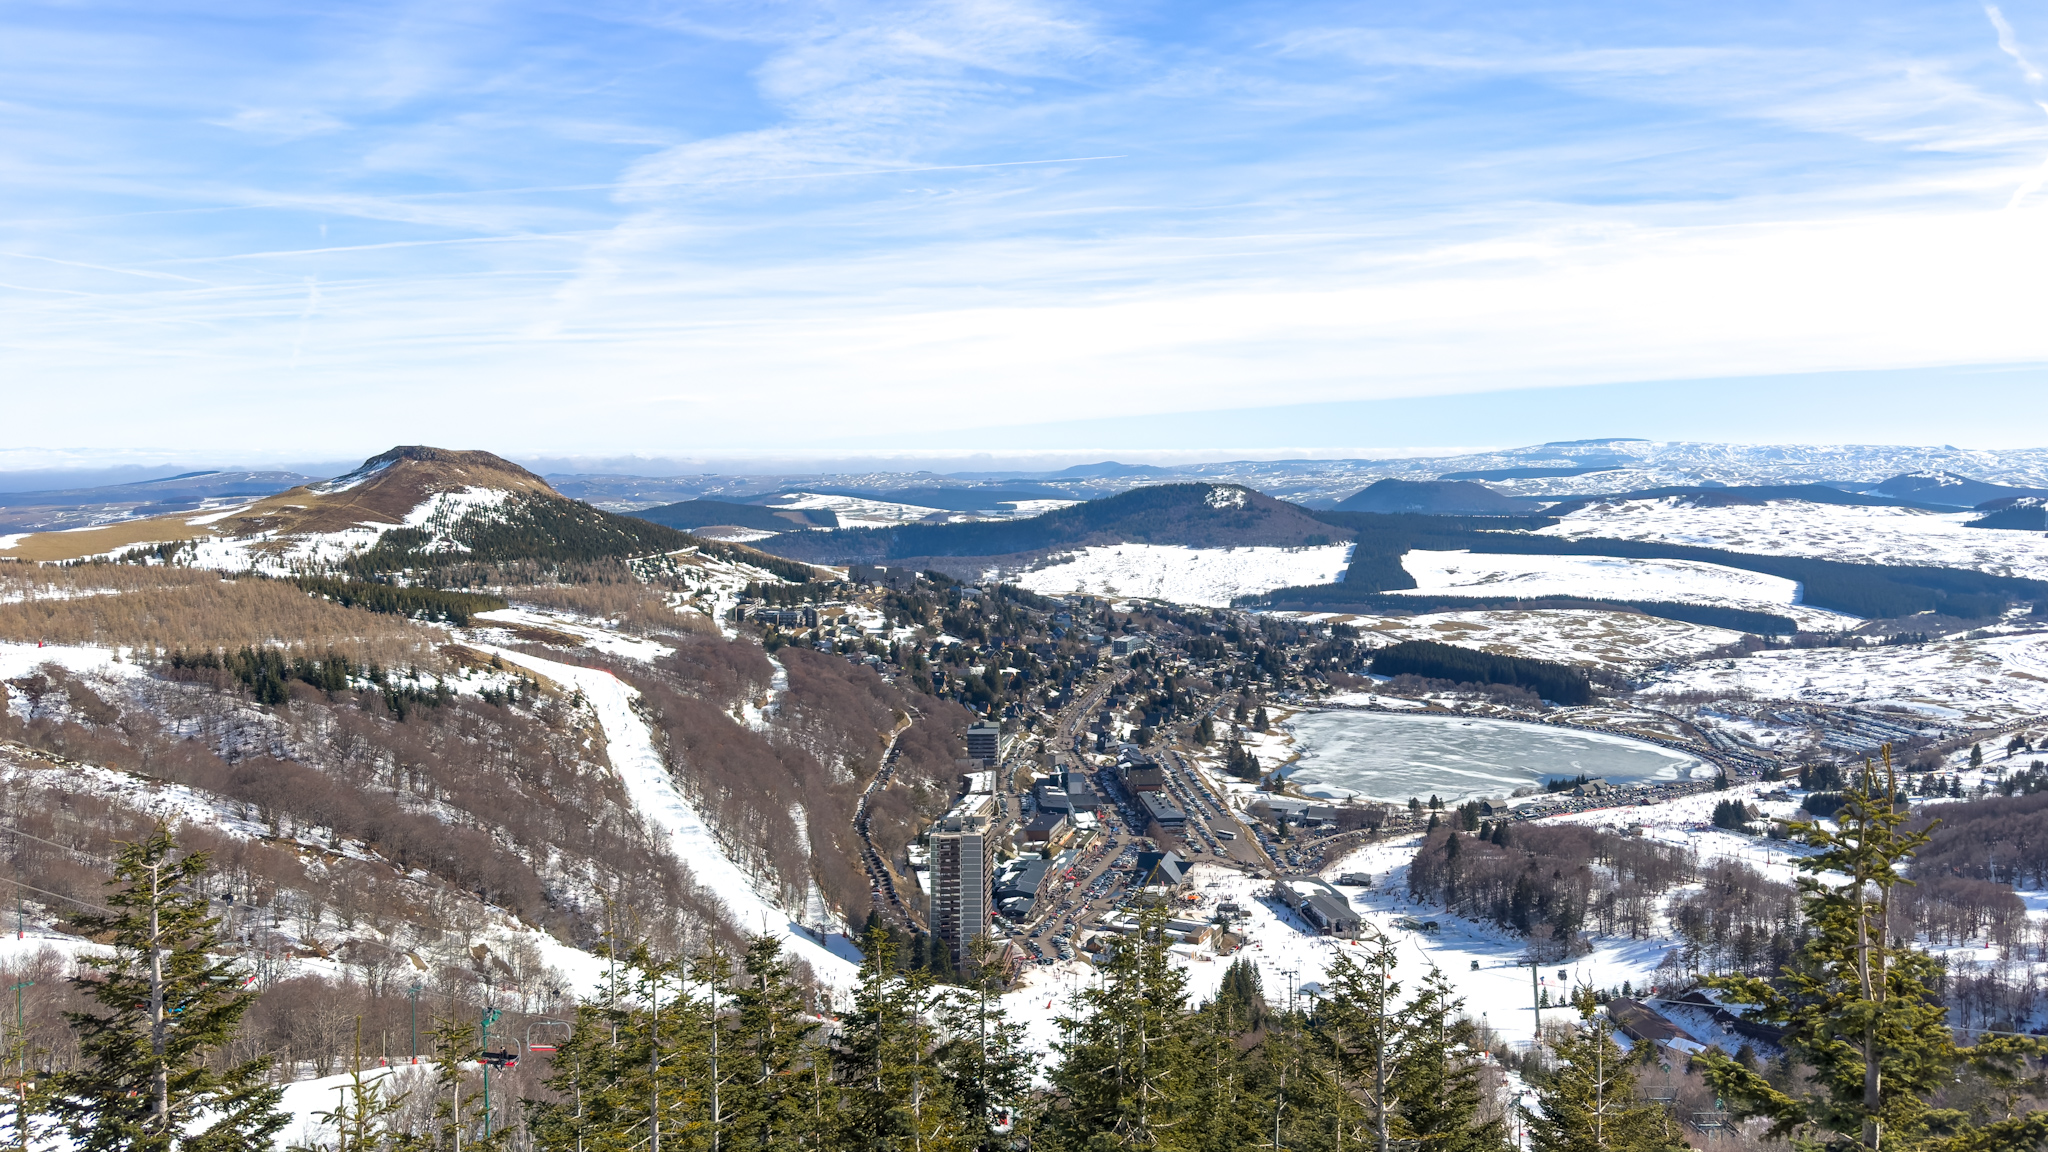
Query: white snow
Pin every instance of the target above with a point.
(1871, 535)
(222, 514)
(631, 745)
(1207, 576)
(593, 635)
(18, 660)
(443, 508)
(346, 482)
(1025, 509)
(1992, 678)
(1463, 573)
(1619, 640)
(860, 512)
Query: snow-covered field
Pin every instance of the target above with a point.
(1620, 640)
(1463, 573)
(1993, 678)
(1497, 992)
(1207, 576)
(1875, 535)
(859, 512)
(593, 635)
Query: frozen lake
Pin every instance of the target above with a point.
(1393, 757)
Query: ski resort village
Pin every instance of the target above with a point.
(475, 805)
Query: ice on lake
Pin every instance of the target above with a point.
(1393, 757)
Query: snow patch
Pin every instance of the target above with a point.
(1463, 573)
(1211, 577)
(1869, 535)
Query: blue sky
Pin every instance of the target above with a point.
(664, 228)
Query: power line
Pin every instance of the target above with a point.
(59, 895)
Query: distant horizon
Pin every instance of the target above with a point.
(938, 463)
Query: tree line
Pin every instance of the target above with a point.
(1559, 683)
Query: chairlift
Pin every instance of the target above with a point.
(545, 1036)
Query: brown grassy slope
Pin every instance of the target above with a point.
(408, 476)
(48, 547)
(165, 609)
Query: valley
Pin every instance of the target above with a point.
(457, 741)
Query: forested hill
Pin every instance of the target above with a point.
(1434, 496)
(1195, 515)
(1870, 591)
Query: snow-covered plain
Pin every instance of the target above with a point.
(1623, 641)
(1871, 535)
(860, 512)
(1211, 577)
(1463, 573)
(1994, 678)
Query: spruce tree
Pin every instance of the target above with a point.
(772, 1093)
(1358, 1025)
(458, 1097)
(363, 1119)
(1124, 1073)
(1435, 1084)
(1222, 1109)
(984, 1056)
(891, 1093)
(1859, 1006)
(1589, 1104)
(146, 1082)
(635, 1065)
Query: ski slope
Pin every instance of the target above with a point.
(1211, 577)
(634, 757)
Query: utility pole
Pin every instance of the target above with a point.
(21, 1064)
(484, 1045)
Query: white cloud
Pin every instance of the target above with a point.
(282, 123)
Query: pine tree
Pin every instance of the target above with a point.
(1358, 1024)
(362, 1118)
(1435, 1084)
(146, 1076)
(891, 1093)
(1859, 1005)
(773, 1093)
(1124, 1074)
(1976, 757)
(1589, 1104)
(984, 1056)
